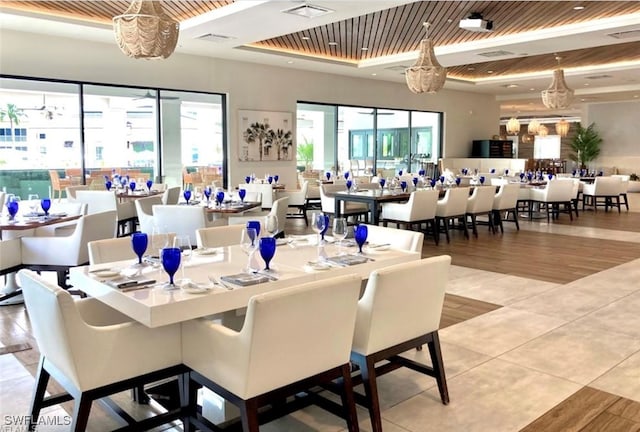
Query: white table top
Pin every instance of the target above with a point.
(154, 306)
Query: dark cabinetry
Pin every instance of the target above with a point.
(492, 149)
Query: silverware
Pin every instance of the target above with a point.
(220, 282)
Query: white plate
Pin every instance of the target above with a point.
(205, 251)
(106, 274)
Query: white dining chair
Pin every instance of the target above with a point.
(144, 212)
(288, 343)
(406, 240)
(171, 195)
(400, 310)
(452, 206)
(480, 203)
(555, 197)
(93, 351)
(297, 200)
(421, 208)
(219, 236)
(278, 209)
(505, 202)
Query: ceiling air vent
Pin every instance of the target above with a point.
(499, 53)
(210, 37)
(308, 10)
(629, 34)
(397, 68)
(597, 77)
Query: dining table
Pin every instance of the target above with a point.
(372, 198)
(24, 225)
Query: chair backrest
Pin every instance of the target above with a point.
(423, 204)
(111, 250)
(97, 201)
(397, 238)
(624, 181)
(279, 209)
(71, 191)
(293, 324)
(507, 197)
(454, 202)
(171, 195)
(481, 200)
(559, 190)
(180, 219)
(144, 211)
(327, 202)
(265, 189)
(219, 236)
(159, 187)
(55, 179)
(415, 289)
(299, 197)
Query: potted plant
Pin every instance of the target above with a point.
(305, 153)
(585, 144)
(634, 183)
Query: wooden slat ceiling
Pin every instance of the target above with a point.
(102, 12)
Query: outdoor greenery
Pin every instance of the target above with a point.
(305, 152)
(13, 114)
(585, 144)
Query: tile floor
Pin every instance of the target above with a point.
(504, 368)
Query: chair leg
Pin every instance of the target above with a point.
(368, 371)
(188, 400)
(434, 229)
(348, 400)
(445, 221)
(474, 227)
(626, 203)
(81, 409)
(249, 415)
(438, 367)
(42, 379)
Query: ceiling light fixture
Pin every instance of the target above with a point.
(534, 126)
(562, 128)
(426, 74)
(513, 126)
(543, 131)
(145, 31)
(558, 95)
(308, 10)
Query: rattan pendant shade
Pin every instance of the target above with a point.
(145, 31)
(426, 75)
(558, 95)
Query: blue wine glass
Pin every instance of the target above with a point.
(421, 172)
(139, 242)
(107, 185)
(270, 179)
(247, 179)
(207, 194)
(482, 179)
(521, 176)
(492, 170)
(123, 181)
(12, 208)
(349, 184)
(171, 263)
(415, 182)
(573, 173)
(187, 195)
(346, 175)
(433, 182)
(242, 193)
(400, 173)
(361, 236)
(45, 203)
(328, 175)
(530, 177)
(550, 177)
(382, 183)
(149, 184)
(219, 197)
(267, 247)
(256, 226)
(403, 185)
(132, 186)
(276, 178)
(442, 179)
(326, 227)
(506, 171)
(458, 180)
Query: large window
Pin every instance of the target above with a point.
(367, 140)
(64, 125)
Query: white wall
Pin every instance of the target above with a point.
(252, 86)
(619, 126)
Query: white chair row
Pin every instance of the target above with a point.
(288, 343)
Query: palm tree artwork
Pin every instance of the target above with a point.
(282, 142)
(256, 133)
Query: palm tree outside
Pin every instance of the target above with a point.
(13, 114)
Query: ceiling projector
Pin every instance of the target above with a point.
(476, 23)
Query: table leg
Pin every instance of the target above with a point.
(10, 294)
(373, 209)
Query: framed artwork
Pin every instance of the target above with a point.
(265, 136)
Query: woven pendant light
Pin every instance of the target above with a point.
(558, 95)
(426, 75)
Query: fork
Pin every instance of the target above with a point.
(220, 282)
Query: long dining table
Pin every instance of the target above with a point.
(295, 262)
(372, 198)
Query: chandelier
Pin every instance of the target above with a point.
(562, 128)
(558, 95)
(543, 130)
(426, 74)
(513, 126)
(534, 126)
(145, 31)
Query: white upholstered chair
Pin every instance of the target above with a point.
(297, 200)
(603, 192)
(71, 191)
(555, 194)
(219, 236)
(144, 212)
(480, 203)
(506, 201)
(171, 195)
(102, 200)
(453, 205)
(181, 219)
(63, 228)
(60, 253)
(396, 238)
(328, 203)
(92, 350)
(624, 188)
(421, 208)
(265, 189)
(278, 208)
(400, 310)
(288, 343)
